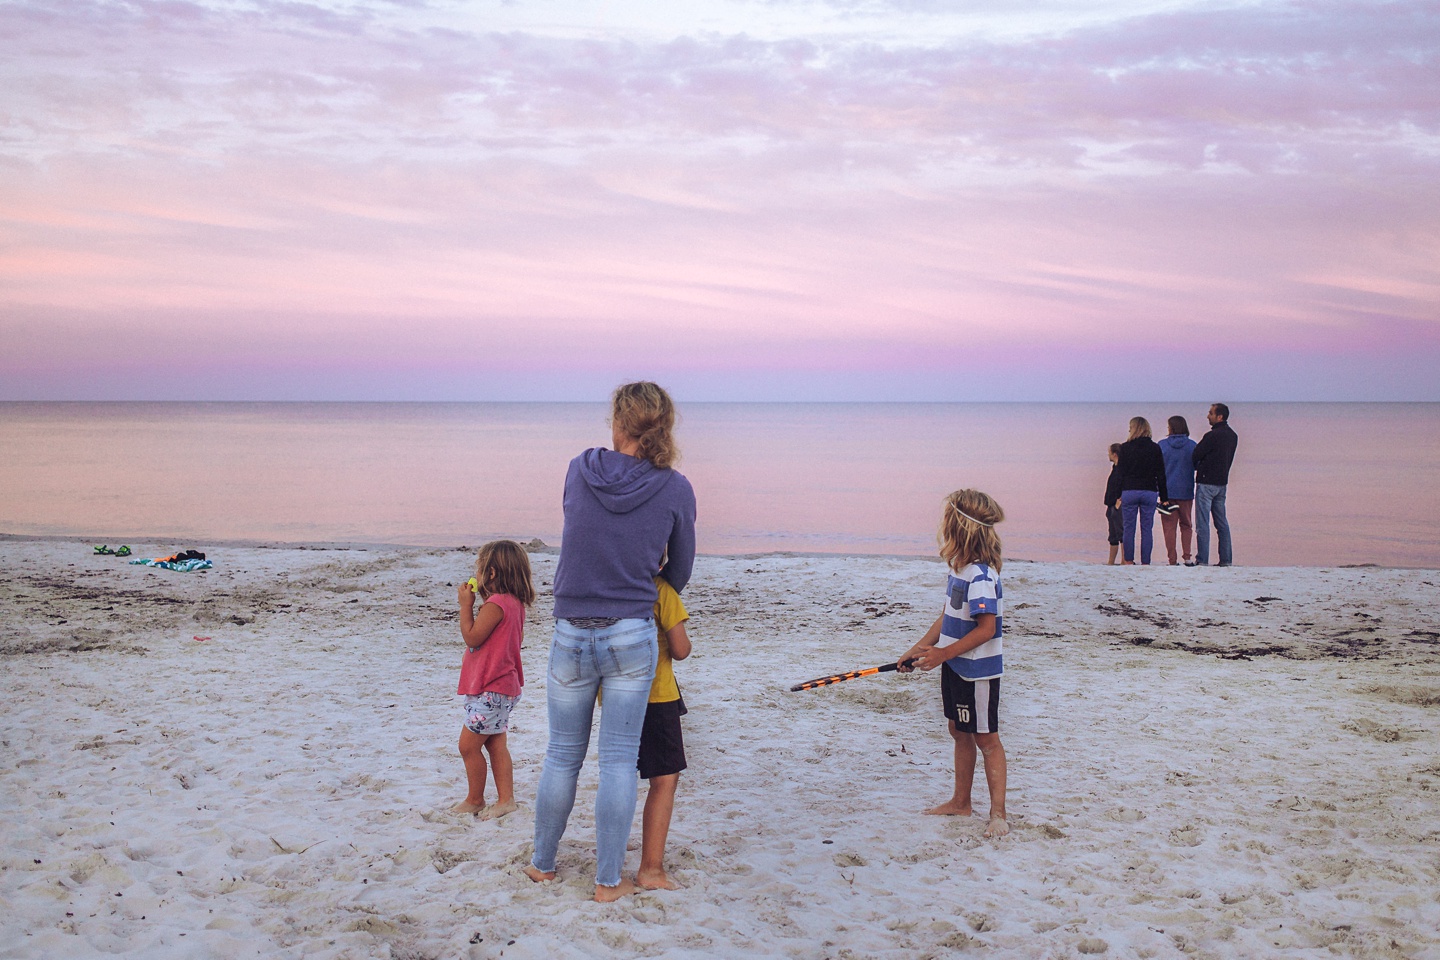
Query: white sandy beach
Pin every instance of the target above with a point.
(1203, 763)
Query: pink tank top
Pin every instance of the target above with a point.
(495, 667)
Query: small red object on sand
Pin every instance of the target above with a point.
(204, 638)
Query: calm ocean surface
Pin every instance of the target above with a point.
(1313, 484)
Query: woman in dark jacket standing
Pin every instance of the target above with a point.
(1142, 488)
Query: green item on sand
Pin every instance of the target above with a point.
(124, 551)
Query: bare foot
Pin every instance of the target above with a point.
(497, 810)
(610, 894)
(655, 879)
(950, 808)
(997, 828)
(468, 807)
(538, 875)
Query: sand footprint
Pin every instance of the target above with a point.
(1126, 815)
(1190, 835)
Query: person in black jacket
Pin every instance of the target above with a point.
(1142, 488)
(1112, 504)
(1213, 456)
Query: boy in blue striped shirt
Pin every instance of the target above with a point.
(965, 642)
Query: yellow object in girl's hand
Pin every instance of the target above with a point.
(473, 584)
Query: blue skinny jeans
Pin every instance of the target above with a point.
(620, 661)
(1137, 507)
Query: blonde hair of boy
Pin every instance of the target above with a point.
(967, 530)
(1139, 427)
(511, 566)
(644, 412)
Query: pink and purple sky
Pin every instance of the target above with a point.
(844, 200)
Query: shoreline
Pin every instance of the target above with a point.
(341, 546)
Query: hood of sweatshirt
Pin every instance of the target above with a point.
(621, 482)
(1176, 441)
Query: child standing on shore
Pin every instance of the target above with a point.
(965, 643)
(491, 675)
(1112, 505)
(662, 747)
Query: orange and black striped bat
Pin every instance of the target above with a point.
(837, 677)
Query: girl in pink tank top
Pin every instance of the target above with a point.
(491, 675)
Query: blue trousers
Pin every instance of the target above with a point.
(1138, 507)
(620, 661)
(1210, 501)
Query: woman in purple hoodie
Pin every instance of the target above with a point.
(627, 511)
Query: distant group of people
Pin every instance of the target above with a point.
(1172, 478)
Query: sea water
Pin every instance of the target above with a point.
(1312, 484)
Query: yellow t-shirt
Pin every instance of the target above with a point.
(668, 612)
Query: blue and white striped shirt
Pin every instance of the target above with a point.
(969, 593)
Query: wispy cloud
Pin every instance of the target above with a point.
(1265, 174)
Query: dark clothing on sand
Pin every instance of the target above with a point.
(1214, 454)
(1142, 466)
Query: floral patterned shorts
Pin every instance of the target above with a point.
(488, 713)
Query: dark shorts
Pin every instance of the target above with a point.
(1117, 525)
(973, 706)
(662, 747)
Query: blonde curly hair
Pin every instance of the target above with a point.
(967, 530)
(644, 412)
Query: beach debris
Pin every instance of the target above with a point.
(1119, 608)
(295, 850)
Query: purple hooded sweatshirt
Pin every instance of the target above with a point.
(622, 515)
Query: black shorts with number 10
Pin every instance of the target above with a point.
(974, 705)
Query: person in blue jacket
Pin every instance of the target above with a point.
(1179, 453)
(628, 515)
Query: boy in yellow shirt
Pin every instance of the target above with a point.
(662, 748)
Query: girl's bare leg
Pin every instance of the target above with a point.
(499, 749)
(994, 752)
(472, 751)
(1114, 552)
(959, 804)
(659, 806)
